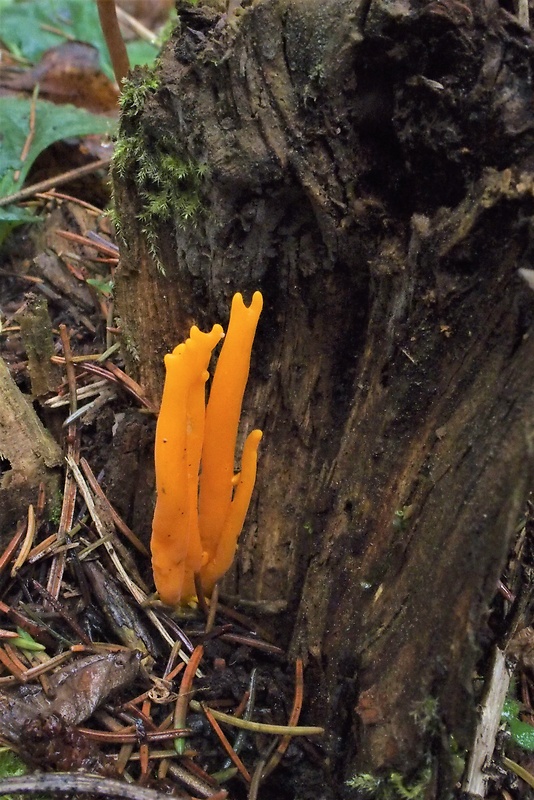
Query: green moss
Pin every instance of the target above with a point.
(128, 341)
(11, 766)
(167, 180)
(136, 90)
(54, 507)
(402, 517)
(425, 714)
(391, 787)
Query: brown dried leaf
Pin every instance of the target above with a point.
(77, 690)
(69, 73)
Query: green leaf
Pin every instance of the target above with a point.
(26, 27)
(101, 285)
(26, 30)
(522, 734)
(52, 123)
(141, 52)
(510, 710)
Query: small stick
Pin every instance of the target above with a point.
(31, 132)
(70, 783)
(8, 634)
(258, 773)
(51, 183)
(53, 195)
(120, 737)
(202, 787)
(14, 656)
(172, 659)
(248, 641)
(85, 240)
(201, 598)
(55, 576)
(213, 608)
(115, 43)
(136, 26)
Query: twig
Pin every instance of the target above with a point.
(71, 374)
(476, 779)
(51, 183)
(112, 373)
(55, 575)
(52, 195)
(31, 132)
(34, 672)
(99, 244)
(71, 782)
(137, 27)
(248, 641)
(112, 737)
(213, 608)
(114, 41)
(11, 667)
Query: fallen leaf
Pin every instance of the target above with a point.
(75, 692)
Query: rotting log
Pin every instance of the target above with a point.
(368, 166)
(28, 456)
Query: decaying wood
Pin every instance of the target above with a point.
(477, 776)
(36, 329)
(68, 783)
(30, 454)
(369, 168)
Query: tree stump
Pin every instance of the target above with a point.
(368, 166)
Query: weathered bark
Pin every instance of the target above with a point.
(29, 456)
(370, 170)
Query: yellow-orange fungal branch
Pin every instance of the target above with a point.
(195, 530)
(235, 517)
(176, 547)
(222, 419)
